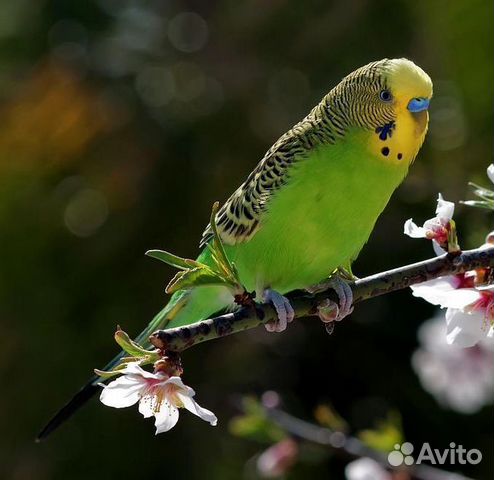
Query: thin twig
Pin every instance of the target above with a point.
(351, 446)
(178, 339)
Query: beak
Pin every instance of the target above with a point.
(418, 104)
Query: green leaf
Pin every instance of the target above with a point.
(488, 204)
(218, 249)
(386, 435)
(219, 256)
(128, 345)
(151, 358)
(481, 191)
(118, 369)
(254, 424)
(110, 373)
(173, 260)
(326, 415)
(453, 245)
(486, 196)
(195, 277)
(194, 273)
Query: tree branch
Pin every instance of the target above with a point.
(351, 446)
(178, 339)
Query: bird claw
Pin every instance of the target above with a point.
(329, 311)
(284, 310)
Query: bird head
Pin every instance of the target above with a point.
(380, 92)
(410, 89)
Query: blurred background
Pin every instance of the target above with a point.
(121, 122)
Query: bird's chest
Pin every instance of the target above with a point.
(320, 219)
(397, 143)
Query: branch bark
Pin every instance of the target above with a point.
(245, 318)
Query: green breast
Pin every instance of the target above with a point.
(320, 219)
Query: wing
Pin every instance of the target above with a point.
(240, 217)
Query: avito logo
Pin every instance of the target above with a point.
(455, 454)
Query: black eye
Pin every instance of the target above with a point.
(385, 95)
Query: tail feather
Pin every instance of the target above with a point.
(76, 402)
(182, 309)
(92, 387)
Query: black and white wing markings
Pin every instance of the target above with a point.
(240, 217)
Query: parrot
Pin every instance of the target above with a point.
(310, 205)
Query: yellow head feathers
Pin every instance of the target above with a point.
(385, 103)
(410, 90)
(407, 81)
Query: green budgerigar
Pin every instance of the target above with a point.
(311, 203)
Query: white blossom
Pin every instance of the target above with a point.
(366, 469)
(459, 378)
(490, 172)
(158, 395)
(470, 310)
(436, 228)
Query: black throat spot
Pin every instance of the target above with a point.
(386, 130)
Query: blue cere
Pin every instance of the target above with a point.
(418, 104)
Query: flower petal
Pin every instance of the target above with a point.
(490, 172)
(437, 249)
(459, 378)
(166, 418)
(366, 469)
(133, 368)
(490, 333)
(192, 406)
(182, 388)
(442, 291)
(444, 208)
(147, 405)
(463, 329)
(179, 383)
(413, 230)
(122, 392)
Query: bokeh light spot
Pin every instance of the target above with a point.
(188, 32)
(189, 79)
(85, 212)
(155, 85)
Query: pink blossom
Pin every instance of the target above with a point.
(277, 459)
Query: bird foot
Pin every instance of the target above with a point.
(283, 308)
(329, 311)
(346, 273)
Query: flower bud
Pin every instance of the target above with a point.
(278, 459)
